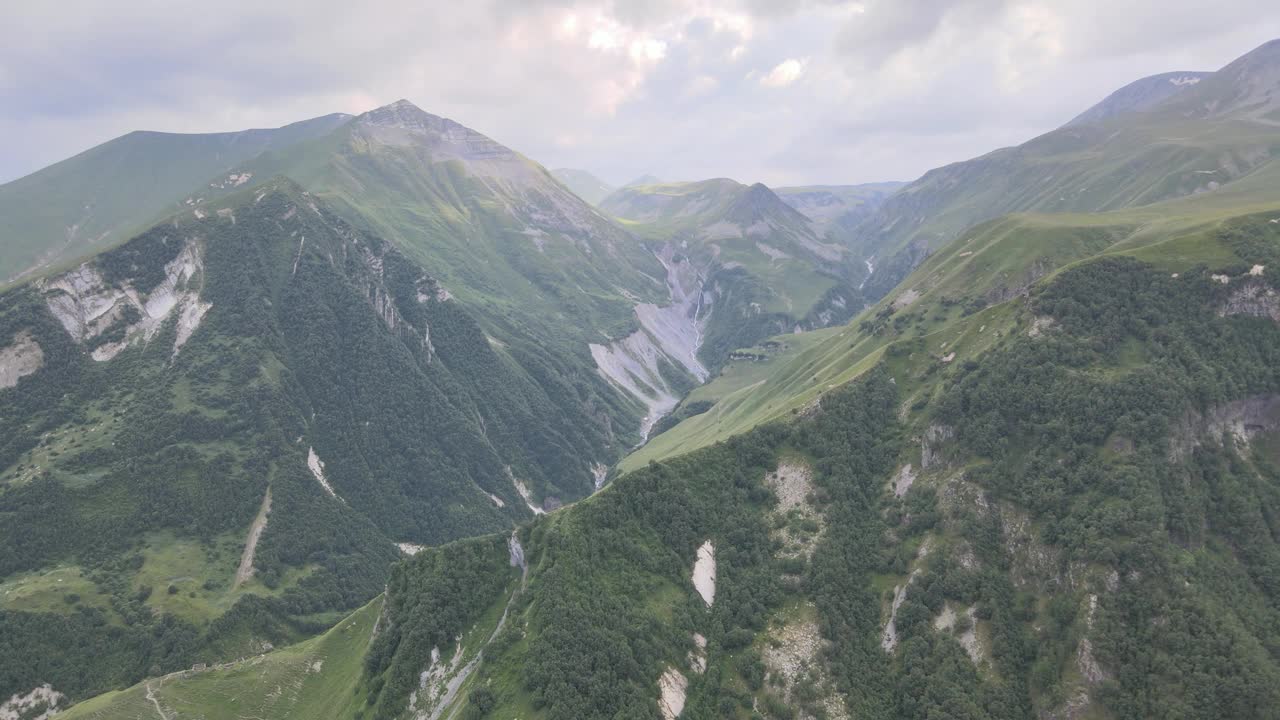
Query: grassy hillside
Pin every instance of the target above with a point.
(317, 678)
(104, 195)
(963, 297)
(1174, 148)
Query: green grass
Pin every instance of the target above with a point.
(991, 266)
(51, 590)
(188, 565)
(316, 679)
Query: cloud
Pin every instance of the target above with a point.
(784, 73)
(874, 88)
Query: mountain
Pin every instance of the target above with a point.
(1037, 478)
(837, 210)
(103, 195)
(255, 383)
(1211, 134)
(644, 180)
(584, 184)
(1248, 88)
(766, 268)
(542, 267)
(237, 416)
(1056, 506)
(1139, 95)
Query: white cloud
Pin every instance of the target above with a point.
(784, 73)
(874, 88)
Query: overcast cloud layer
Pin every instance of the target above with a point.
(779, 91)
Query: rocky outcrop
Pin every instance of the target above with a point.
(670, 334)
(935, 437)
(704, 573)
(245, 571)
(672, 687)
(41, 703)
(88, 305)
(1238, 421)
(1253, 298)
(20, 358)
(794, 656)
(316, 466)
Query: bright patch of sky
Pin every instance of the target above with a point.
(779, 91)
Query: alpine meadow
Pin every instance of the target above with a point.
(373, 416)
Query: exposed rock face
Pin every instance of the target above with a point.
(87, 305)
(524, 493)
(698, 655)
(316, 466)
(669, 334)
(889, 638)
(41, 703)
(794, 655)
(245, 570)
(902, 481)
(968, 639)
(673, 686)
(1253, 298)
(704, 573)
(930, 445)
(19, 359)
(1238, 421)
(792, 483)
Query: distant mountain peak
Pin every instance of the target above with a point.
(403, 123)
(1140, 95)
(1246, 88)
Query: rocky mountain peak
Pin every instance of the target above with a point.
(403, 123)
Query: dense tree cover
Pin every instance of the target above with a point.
(738, 320)
(318, 336)
(601, 563)
(431, 601)
(684, 411)
(1089, 428)
(1093, 428)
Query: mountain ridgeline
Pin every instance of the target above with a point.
(332, 439)
(1161, 138)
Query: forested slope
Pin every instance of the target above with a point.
(260, 354)
(1077, 522)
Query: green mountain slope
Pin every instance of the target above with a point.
(313, 679)
(1216, 132)
(254, 360)
(768, 267)
(966, 294)
(1140, 95)
(1073, 522)
(584, 184)
(539, 266)
(103, 195)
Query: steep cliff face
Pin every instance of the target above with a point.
(106, 316)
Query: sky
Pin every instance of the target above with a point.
(784, 92)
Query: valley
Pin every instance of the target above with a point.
(374, 417)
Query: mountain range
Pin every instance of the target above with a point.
(374, 417)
